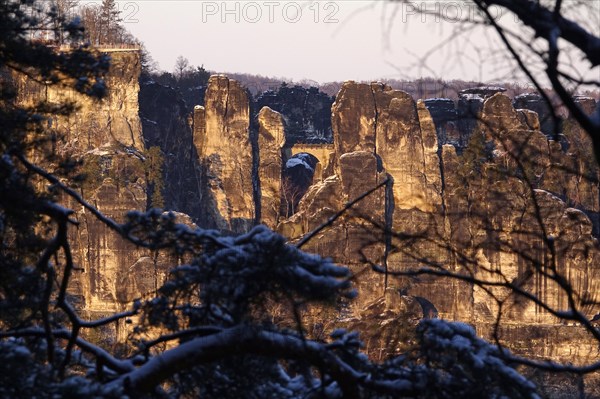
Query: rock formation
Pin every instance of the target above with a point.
(488, 210)
(377, 132)
(509, 222)
(106, 136)
(226, 153)
(353, 119)
(477, 189)
(113, 121)
(271, 139)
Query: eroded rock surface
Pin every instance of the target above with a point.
(106, 136)
(227, 156)
(353, 119)
(271, 139)
(486, 197)
(114, 121)
(488, 209)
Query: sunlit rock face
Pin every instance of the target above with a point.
(113, 272)
(405, 147)
(510, 213)
(353, 119)
(377, 119)
(489, 197)
(379, 134)
(491, 204)
(112, 121)
(106, 136)
(359, 174)
(271, 139)
(226, 153)
(498, 116)
(567, 166)
(493, 209)
(570, 153)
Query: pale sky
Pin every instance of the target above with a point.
(318, 40)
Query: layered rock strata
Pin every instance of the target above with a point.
(487, 196)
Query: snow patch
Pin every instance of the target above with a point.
(297, 162)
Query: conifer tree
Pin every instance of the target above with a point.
(110, 22)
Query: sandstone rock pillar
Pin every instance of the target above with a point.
(226, 153)
(271, 139)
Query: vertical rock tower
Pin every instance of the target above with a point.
(271, 140)
(222, 139)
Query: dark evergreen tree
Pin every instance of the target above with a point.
(65, 11)
(110, 22)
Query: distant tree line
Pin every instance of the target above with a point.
(103, 24)
(184, 75)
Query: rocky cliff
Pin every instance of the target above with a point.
(475, 189)
(224, 146)
(271, 140)
(106, 137)
(478, 189)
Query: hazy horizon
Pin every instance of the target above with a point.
(321, 41)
